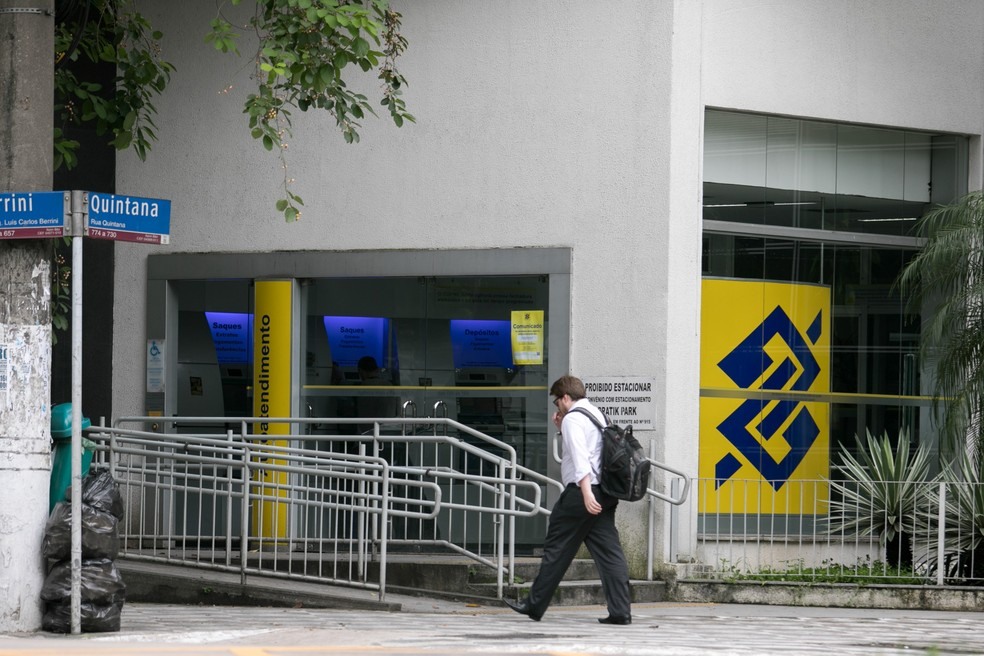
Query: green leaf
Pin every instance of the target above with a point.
(305, 46)
(123, 140)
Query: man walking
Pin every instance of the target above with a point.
(582, 515)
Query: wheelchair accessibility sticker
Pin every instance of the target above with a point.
(763, 441)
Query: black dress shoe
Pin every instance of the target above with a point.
(523, 608)
(612, 619)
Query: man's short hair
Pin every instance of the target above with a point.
(569, 385)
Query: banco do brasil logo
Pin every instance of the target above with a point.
(757, 423)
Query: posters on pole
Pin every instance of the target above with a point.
(4, 368)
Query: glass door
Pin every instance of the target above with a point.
(378, 348)
(214, 351)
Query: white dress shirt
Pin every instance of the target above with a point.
(582, 444)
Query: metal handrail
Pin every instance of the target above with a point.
(215, 450)
(225, 449)
(684, 493)
(650, 492)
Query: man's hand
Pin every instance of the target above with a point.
(590, 503)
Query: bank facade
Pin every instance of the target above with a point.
(709, 200)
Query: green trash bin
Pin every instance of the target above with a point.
(61, 467)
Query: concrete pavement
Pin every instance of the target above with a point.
(442, 628)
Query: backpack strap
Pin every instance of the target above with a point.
(582, 411)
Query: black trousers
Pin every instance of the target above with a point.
(570, 526)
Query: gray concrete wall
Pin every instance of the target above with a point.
(545, 124)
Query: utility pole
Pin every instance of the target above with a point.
(26, 124)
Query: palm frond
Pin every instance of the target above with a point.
(944, 284)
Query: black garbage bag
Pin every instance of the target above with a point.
(102, 492)
(95, 617)
(102, 589)
(101, 582)
(100, 534)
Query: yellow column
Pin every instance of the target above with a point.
(272, 349)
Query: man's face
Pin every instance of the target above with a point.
(563, 404)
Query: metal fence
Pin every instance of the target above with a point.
(210, 493)
(918, 533)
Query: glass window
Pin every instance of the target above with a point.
(811, 203)
(214, 350)
(382, 347)
(388, 347)
(810, 174)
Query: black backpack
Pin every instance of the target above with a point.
(624, 467)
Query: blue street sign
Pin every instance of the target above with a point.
(128, 218)
(33, 214)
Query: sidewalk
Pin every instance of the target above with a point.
(442, 628)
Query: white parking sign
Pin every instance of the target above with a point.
(625, 399)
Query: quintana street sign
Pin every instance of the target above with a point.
(128, 218)
(35, 214)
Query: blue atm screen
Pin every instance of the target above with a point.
(231, 335)
(351, 338)
(480, 343)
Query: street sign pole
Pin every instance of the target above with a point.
(79, 200)
(38, 214)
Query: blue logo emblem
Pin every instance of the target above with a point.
(744, 366)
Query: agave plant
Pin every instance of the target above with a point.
(880, 493)
(963, 531)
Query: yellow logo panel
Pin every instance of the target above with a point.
(765, 353)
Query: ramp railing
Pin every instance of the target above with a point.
(210, 492)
